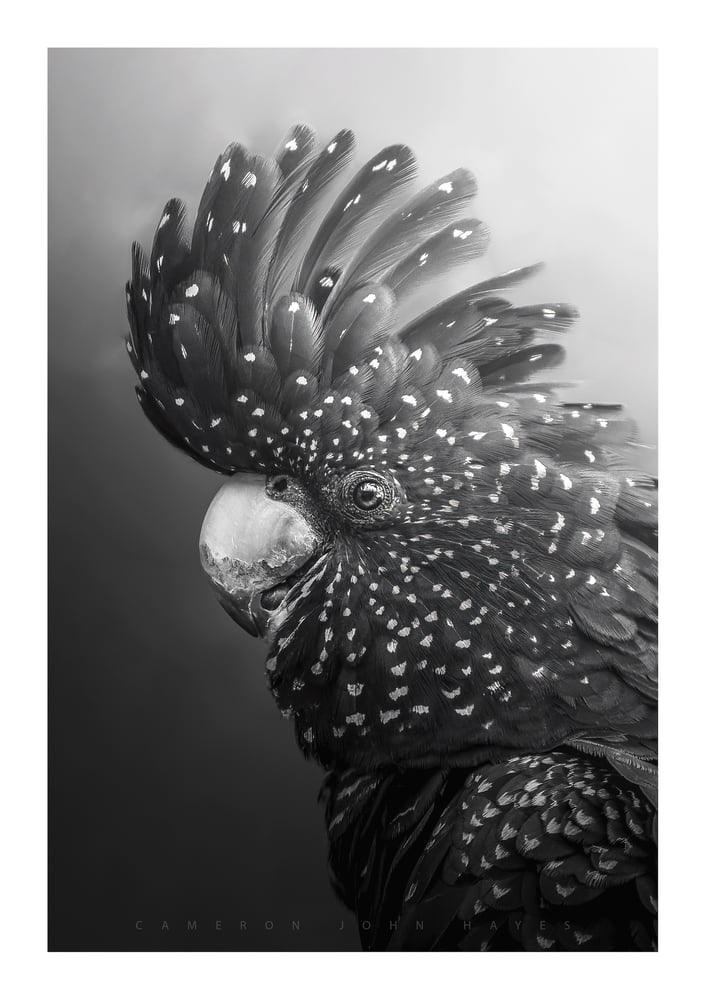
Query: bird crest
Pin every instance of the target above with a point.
(485, 575)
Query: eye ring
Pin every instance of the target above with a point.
(365, 494)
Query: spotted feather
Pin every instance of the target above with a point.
(480, 641)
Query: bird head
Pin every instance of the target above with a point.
(444, 559)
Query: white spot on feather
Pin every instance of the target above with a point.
(560, 522)
(399, 692)
(462, 374)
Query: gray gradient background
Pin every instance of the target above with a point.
(176, 791)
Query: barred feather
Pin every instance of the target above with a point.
(541, 852)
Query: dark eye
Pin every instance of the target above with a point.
(368, 495)
(365, 493)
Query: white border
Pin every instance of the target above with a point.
(27, 968)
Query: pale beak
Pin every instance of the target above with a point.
(250, 546)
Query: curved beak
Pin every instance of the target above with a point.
(250, 546)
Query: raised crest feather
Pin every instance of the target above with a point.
(272, 342)
(468, 643)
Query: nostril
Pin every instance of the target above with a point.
(278, 485)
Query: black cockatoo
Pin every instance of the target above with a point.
(454, 570)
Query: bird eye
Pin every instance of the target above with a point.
(368, 495)
(364, 493)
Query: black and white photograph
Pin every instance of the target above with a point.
(333, 549)
(355, 485)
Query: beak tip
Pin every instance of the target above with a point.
(246, 534)
(250, 544)
(239, 615)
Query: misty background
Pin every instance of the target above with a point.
(176, 790)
